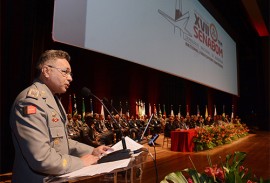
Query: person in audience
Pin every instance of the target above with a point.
(176, 122)
(109, 123)
(155, 126)
(122, 124)
(104, 136)
(227, 119)
(200, 121)
(182, 123)
(79, 122)
(134, 129)
(162, 120)
(117, 129)
(38, 124)
(169, 127)
(89, 134)
(191, 121)
(72, 129)
(107, 136)
(208, 121)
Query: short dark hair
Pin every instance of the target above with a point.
(50, 55)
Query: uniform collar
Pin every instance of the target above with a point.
(48, 97)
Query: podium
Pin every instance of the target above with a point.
(129, 174)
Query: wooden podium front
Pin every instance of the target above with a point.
(130, 174)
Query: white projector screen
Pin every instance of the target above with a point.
(178, 37)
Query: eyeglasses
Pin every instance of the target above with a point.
(64, 72)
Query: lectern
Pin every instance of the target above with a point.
(130, 174)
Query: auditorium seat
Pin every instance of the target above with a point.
(167, 140)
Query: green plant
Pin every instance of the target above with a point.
(232, 171)
(208, 137)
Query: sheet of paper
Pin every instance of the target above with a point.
(98, 168)
(131, 144)
(109, 166)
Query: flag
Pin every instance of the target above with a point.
(121, 110)
(91, 107)
(198, 110)
(172, 113)
(206, 112)
(143, 109)
(223, 114)
(155, 109)
(164, 110)
(187, 110)
(75, 112)
(140, 108)
(159, 110)
(127, 109)
(232, 116)
(69, 105)
(149, 110)
(83, 110)
(215, 110)
(137, 109)
(102, 111)
(179, 112)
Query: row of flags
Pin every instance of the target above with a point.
(140, 109)
(72, 109)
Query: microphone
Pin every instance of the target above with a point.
(116, 155)
(123, 138)
(153, 139)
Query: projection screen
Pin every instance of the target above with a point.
(178, 37)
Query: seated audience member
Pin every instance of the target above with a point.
(73, 131)
(169, 127)
(88, 136)
(155, 126)
(208, 121)
(182, 123)
(134, 129)
(79, 122)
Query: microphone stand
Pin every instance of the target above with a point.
(114, 120)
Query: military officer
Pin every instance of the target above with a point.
(38, 122)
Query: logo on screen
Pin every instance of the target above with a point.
(180, 20)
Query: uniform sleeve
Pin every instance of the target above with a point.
(79, 149)
(33, 137)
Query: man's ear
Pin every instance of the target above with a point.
(45, 71)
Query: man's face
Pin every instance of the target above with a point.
(59, 76)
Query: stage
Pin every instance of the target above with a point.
(257, 147)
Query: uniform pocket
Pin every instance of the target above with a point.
(58, 135)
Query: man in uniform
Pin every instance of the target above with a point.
(38, 122)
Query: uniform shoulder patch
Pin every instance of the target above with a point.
(33, 93)
(30, 109)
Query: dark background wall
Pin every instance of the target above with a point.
(26, 28)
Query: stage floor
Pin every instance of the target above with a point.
(257, 147)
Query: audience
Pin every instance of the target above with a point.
(97, 130)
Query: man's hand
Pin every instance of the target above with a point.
(89, 159)
(100, 150)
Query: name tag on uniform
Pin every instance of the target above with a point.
(30, 109)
